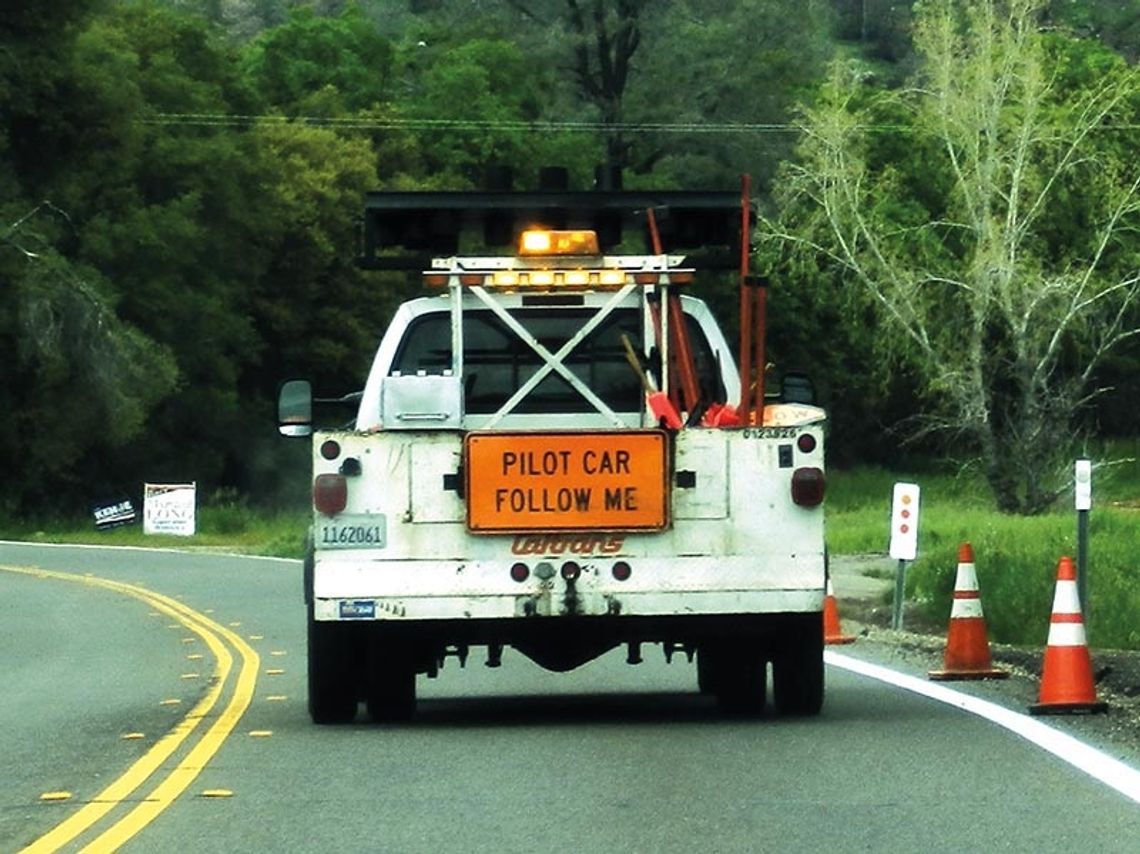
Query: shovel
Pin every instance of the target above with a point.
(659, 404)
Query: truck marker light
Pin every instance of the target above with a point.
(806, 443)
(622, 571)
(571, 570)
(330, 449)
(520, 572)
(807, 486)
(330, 493)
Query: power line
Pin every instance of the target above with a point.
(378, 123)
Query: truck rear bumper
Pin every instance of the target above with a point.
(439, 590)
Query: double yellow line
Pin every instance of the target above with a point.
(175, 781)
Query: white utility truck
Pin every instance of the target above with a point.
(553, 453)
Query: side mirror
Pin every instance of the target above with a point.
(797, 388)
(295, 409)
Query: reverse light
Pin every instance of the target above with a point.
(807, 486)
(330, 493)
(546, 242)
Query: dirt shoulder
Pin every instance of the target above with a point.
(864, 587)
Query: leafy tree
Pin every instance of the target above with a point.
(991, 238)
(296, 66)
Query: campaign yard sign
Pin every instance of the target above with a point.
(168, 508)
(113, 513)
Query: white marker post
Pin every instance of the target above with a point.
(1082, 495)
(904, 540)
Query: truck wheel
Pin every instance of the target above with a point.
(797, 671)
(738, 678)
(332, 682)
(391, 694)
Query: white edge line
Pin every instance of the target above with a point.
(1097, 764)
(166, 549)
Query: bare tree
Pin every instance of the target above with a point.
(993, 242)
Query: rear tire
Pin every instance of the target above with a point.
(797, 670)
(332, 677)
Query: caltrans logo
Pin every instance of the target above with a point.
(578, 544)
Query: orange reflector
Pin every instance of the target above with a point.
(505, 278)
(577, 277)
(542, 277)
(611, 277)
(470, 279)
(544, 242)
(435, 280)
(679, 278)
(646, 278)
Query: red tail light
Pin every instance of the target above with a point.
(807, 487)
(571, 570)
(330, 493)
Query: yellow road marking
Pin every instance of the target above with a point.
(177, 779)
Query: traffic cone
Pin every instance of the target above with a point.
(1066, 678)
(967, 649)
(832, 632)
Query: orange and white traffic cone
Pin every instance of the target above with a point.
(832, 631)
(1067, 678)
(967, 648)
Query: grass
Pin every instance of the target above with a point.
(1016, 557)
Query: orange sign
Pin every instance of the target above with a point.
(612, 481)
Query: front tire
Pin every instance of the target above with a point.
(737, 675)
(391, 693)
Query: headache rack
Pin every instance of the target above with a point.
(470, 242)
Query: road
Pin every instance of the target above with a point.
(113, 662)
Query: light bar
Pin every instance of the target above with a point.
(545, 242)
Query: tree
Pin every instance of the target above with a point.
(985, 213)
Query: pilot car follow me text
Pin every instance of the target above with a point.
(554, 454)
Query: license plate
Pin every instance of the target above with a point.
(365, 531)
